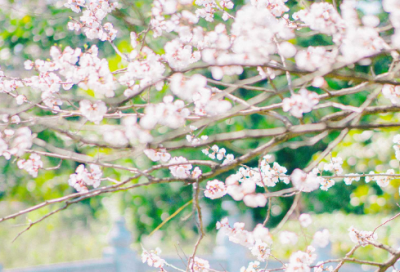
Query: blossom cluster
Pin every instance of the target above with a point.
(300, 103)
(152, 258)
(84, 177)
(31, 165)
(243, 184)
(219, 154)
(92, 16)
(194, 140)
(181, 168)
(15, 142)
(258, 241)
(362, 237)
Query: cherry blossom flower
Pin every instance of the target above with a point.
(362, 237)
(94, 112)
(326, 183)
(83, 177)
(32, 165)
(322, 17)
(261, 250)
(260, 235)
(21, 141)
(315, 58)
(252, 267)
(301, 261)
(392, 92)
(350, 178)
(303, 181)
(170, 113)
(255, 200)
(321, 238)
(305, 220)
(382, 181)
(134, 132)
(157, 154)
(196, 173)
(180, 170)
(276, 7)
(75, 5)
(91, 19)
(152, 258)
(199, 265)
(115, 137)
(179, 56)
(186, 88)
(143, 72)
(28, 64)
(335, 165)
(215, 189)
(259, 26)
(300, 103)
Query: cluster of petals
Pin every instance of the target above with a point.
(271, 175)
(305, 220)
(258, 241)
(91, 73)
(84, 177)
(142, 72)
(94, 112)
(276, 7)
(314, 58)
(181, 168)
(215, 152)
(15, 142)
(261, 27)
(300, 103)
(31, 165)
(242, 186)
(196, 140)
(305, 182)
(180, 55)
(199, 265)
(215, 189)
(392, 93)
(396, 146)
(157, 154)
(361, 42)
(9, 85)
(92, 17)
(320, 268)
(209, 7)
(322, 17)
(169, 113)
(301, 261)
(252, 267)
(321, 238)
(326, 183)
(348, 180)
(165, 16)
(334, 166)
(152, 258)
(382, 181)
(393, 7)
(193, 139)
(129, 131)
(194, 89)
(362, 237)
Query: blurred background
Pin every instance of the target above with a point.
(27, 31)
